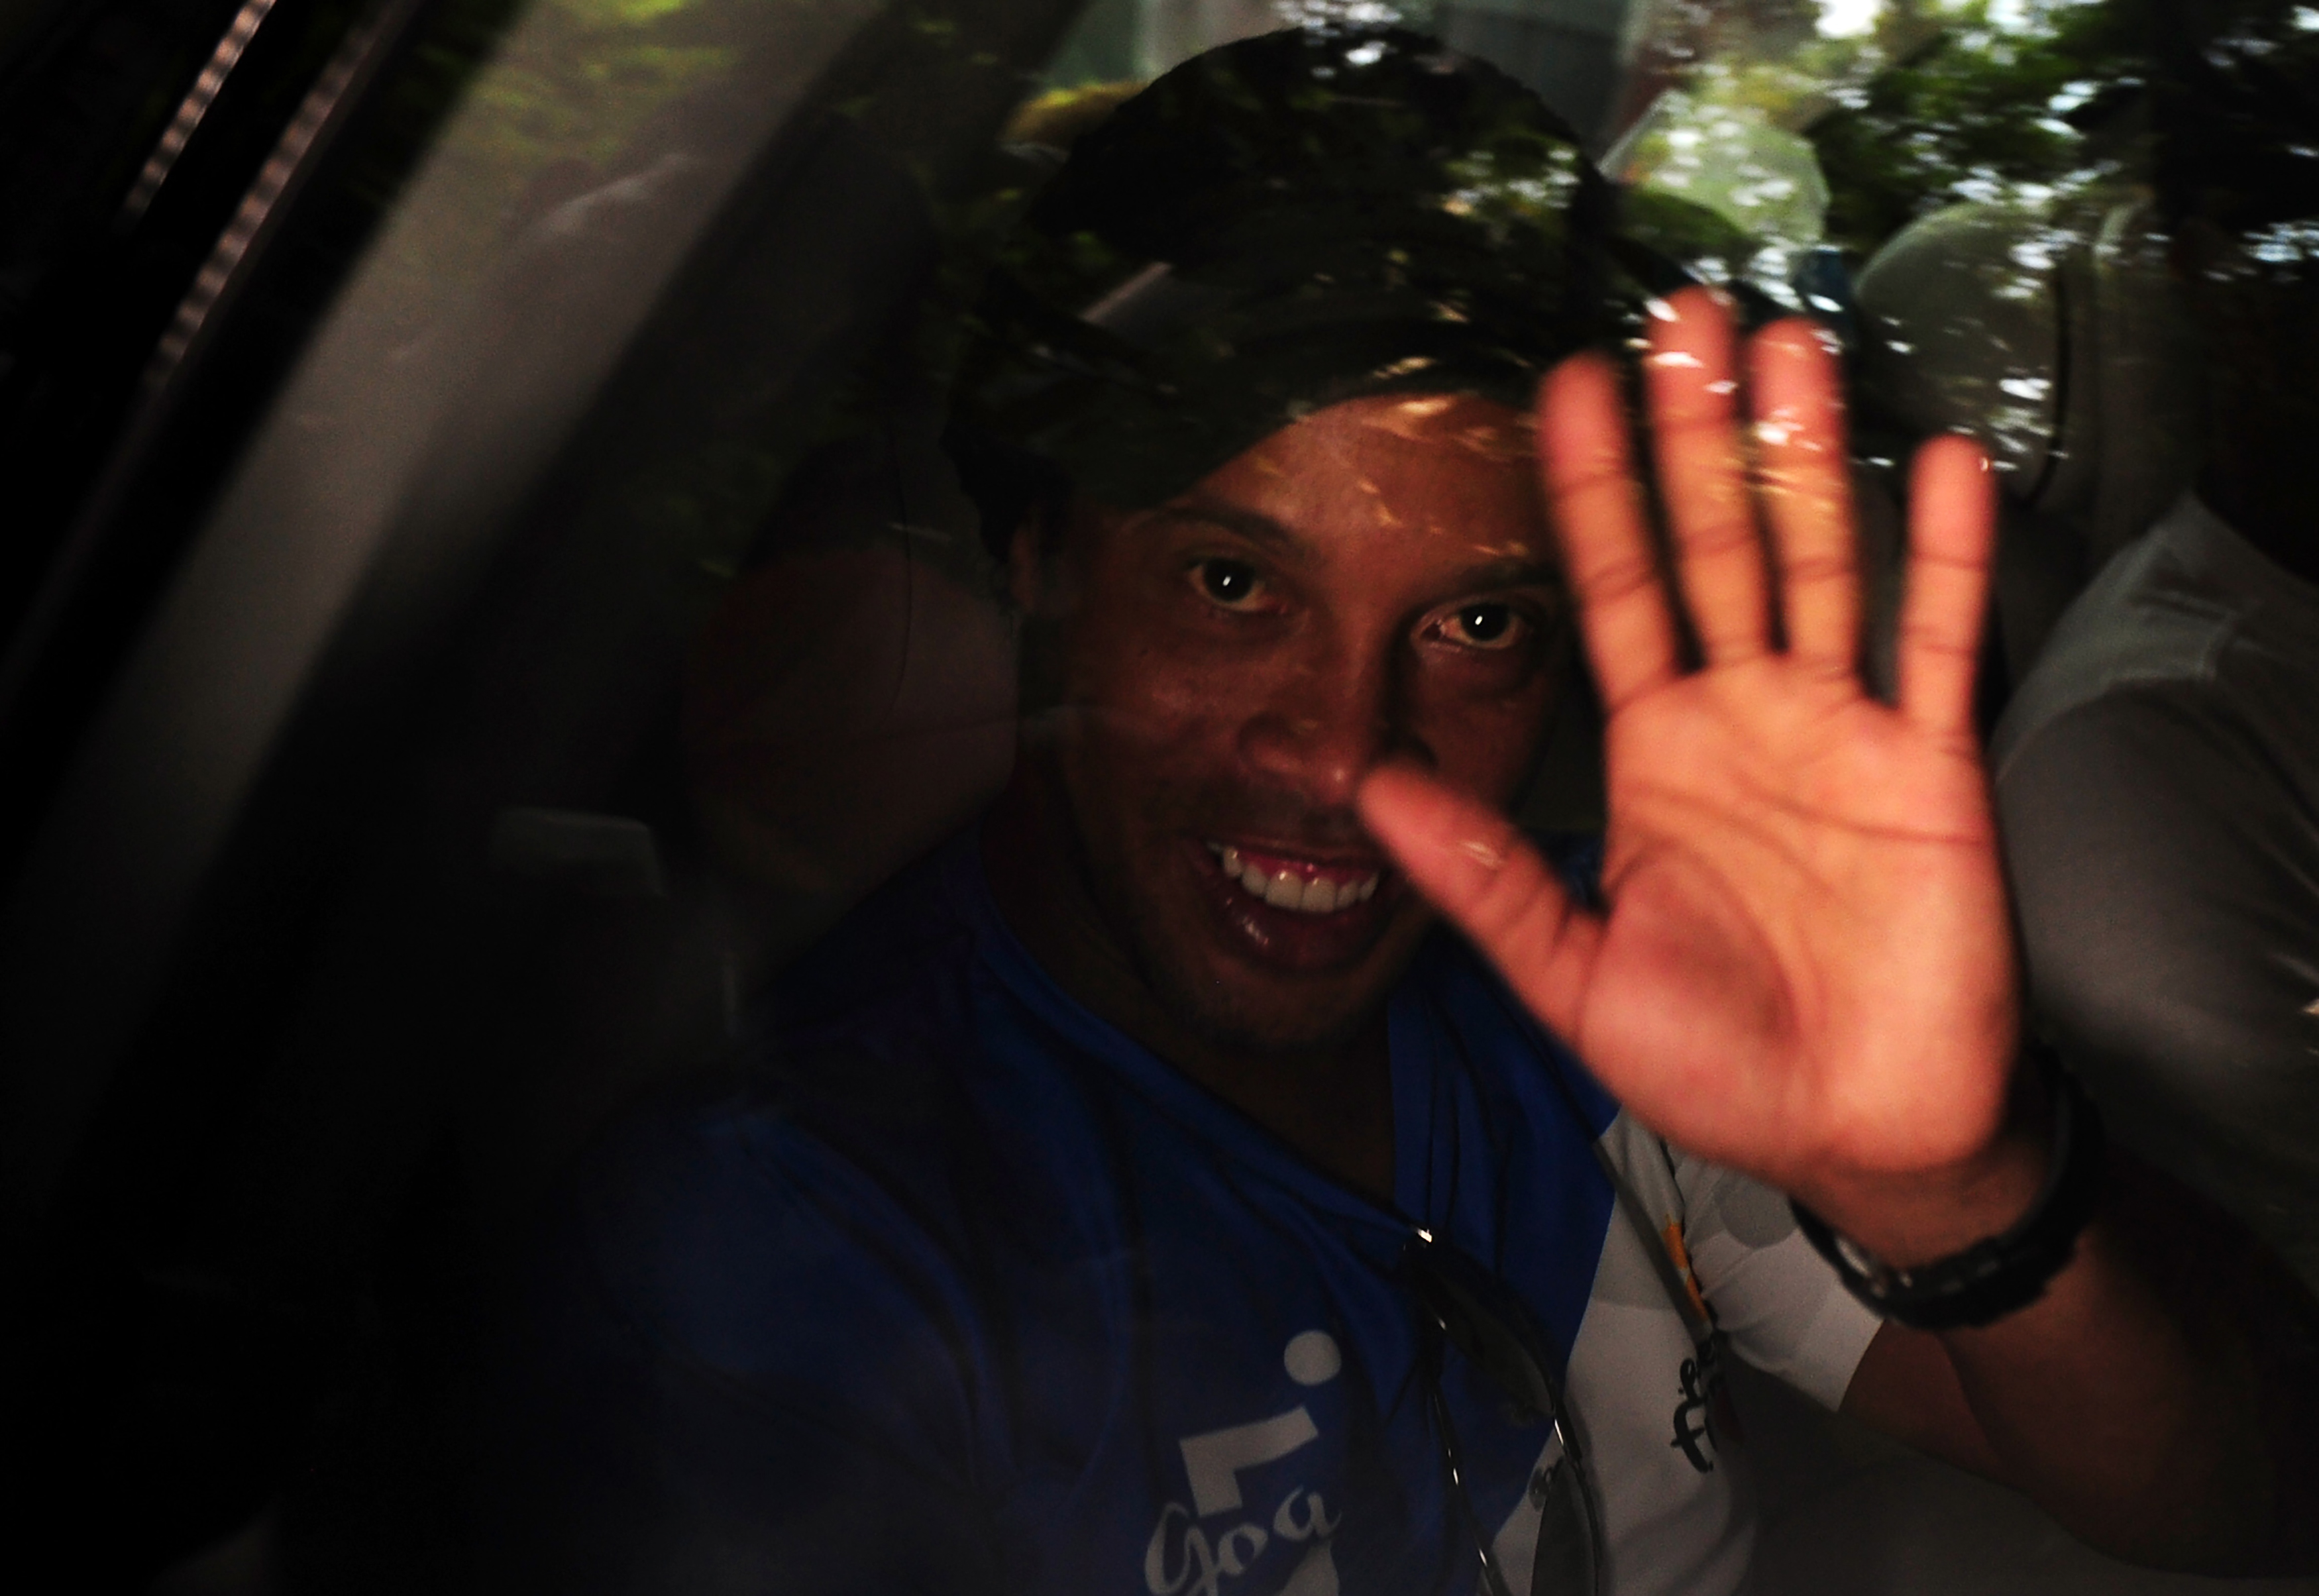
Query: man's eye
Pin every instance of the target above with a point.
(1232, 584)
(1484, 626)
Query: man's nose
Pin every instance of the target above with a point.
(1325, 729)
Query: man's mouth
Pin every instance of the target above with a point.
(1300, 886)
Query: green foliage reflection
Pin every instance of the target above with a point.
(2011, 102)
(1802, 121)
(587, 75)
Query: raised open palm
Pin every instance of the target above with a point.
(1805, 968)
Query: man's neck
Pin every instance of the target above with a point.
(1333, 1105)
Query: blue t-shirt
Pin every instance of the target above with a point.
(967, 1292)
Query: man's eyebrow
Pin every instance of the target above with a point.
(1261, 530)
(1514, 571)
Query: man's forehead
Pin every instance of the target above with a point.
(1452, 428)
(1453, 474)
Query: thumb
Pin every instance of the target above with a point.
(1479, 870)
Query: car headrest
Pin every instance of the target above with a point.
(2058, 340)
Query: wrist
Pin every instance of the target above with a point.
(1929, 1280)
(1914, 1216)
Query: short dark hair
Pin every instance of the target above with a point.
(1274, 227)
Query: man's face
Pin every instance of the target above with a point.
(1374, 582)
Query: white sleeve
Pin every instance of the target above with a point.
(1778, 1301)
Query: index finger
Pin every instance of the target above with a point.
(1703, 474)
(1599, 517)
(1808, 492)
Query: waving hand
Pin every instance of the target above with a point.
(1805, 968)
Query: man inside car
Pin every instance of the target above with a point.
(1145, 1191)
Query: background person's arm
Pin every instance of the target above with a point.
(2160, 840)
(1806, 969)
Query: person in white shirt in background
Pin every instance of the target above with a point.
(2157, 769)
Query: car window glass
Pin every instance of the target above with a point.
(632, 619)
(579, 168)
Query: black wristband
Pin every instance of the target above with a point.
(2001, 1274)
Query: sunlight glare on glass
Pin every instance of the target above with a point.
(1849, 19)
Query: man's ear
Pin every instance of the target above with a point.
(1035, 579)
(1036, 583)
(1025, 555)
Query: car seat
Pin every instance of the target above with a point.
(2054, 334)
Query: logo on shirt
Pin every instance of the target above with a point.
(1701, 1378)
(1194, 1550)
(1694, 1421)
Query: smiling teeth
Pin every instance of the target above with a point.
(1287, 890)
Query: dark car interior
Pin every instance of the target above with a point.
(480, 588)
